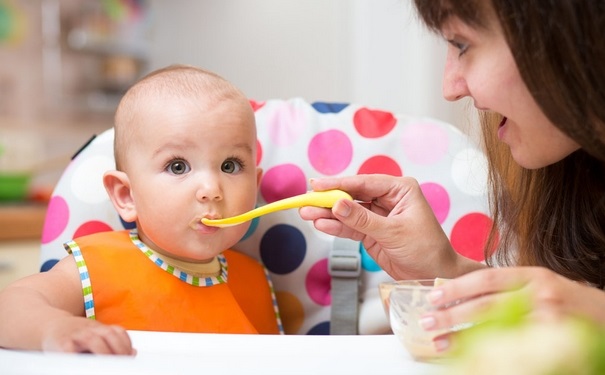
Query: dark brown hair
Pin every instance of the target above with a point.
(552, 216)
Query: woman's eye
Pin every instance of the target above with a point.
(460, 46)
(231, 166)
(178, 167)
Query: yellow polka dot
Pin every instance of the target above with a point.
(291, 311)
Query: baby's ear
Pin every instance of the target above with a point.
(259, 176)
(117, 185)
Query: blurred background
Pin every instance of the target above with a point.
(64, 65)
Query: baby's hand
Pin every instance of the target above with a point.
(82, 335)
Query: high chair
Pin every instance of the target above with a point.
(323, 285)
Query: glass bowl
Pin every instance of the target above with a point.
(405, 302)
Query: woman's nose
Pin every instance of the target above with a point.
(454, 84)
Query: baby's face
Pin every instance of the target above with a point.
(185, 164)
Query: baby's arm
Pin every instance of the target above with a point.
(45, 312)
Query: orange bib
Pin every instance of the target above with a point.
(130, 290)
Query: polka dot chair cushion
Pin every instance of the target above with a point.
(297, 141)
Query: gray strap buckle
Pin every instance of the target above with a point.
(344, 260)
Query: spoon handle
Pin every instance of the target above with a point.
(315, 198)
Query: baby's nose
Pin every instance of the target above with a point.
(209, 191)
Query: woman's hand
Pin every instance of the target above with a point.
(395, 223)
(552, 297)
(82, 335)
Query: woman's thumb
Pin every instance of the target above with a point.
(354, 216)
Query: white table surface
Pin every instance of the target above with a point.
(186, 353)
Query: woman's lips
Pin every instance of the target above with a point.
(502, 122)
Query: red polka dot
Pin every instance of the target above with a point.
(91, 227)
(256, 105)
(470, 233)
(380, 164)
(372, 123)
(259, 152)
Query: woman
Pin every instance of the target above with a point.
(534, 71)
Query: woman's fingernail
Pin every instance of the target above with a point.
(435, 296)
(342, 209)
(427, 322)
(442, 344)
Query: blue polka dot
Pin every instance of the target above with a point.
(48, 265)
(323, 107)
(367, 263)
(322, 328)
(283, 248)
(128, 225)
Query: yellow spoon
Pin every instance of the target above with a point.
(314, 198)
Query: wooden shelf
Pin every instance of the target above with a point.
(22, 221)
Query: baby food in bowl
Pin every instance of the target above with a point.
(405, 302)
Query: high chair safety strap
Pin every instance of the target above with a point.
(344, 266)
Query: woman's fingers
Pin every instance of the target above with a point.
(468, 297)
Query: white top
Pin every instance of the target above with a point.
(187, 353)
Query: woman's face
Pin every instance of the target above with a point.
(480, 65)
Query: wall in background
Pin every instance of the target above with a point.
(66, 63)
(81, 55)
(371, 52)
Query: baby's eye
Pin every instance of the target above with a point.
(178, 167)
(232, 166)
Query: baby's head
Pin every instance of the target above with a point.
(184, 83)
(185, 148)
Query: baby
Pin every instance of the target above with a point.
(185, 149)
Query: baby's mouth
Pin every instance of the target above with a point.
(197, 224)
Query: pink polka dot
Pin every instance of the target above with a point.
(318, 284)
(57, 217)
(470, 233)
(372, 123)
(424, 143)
(438, 199)
(380, 164)
(259, 152)
(256, 105)
(330, 152)
(91, 227)
(286, 124)
(282, 181)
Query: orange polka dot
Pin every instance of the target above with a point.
(291, 312)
